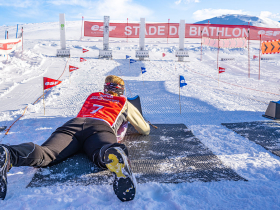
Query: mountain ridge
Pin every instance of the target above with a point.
(236, 19)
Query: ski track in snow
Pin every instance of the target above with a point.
(205, 105)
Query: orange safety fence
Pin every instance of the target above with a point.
(271, 47)
(8, 129)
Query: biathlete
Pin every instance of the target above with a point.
(97, 130)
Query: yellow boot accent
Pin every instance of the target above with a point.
(115, 166)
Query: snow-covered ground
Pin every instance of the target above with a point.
(207, 101)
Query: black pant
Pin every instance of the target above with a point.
(77, 135)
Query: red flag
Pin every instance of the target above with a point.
(85, 50)
(221, 70)
(163, 54)
(48, 82)
(254, 57)
(72, 68)
(82, 59)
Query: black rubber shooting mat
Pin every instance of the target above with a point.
(170, 154)
(264, 133)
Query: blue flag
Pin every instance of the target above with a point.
(132, 60)
(182, 81)
(143, 69)
(127, 56)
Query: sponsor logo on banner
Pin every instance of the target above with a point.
(85, 50)
(51, 83)
(72, 68)
(82, 60)
(269, 33)
(48, 82)
(221, 70)
(100, 28)
(182, 81)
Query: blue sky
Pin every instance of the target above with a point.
(14, 12)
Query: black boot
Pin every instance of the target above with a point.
(125, 183)
(5, 166)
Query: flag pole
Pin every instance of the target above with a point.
(127, 34)
(22, 38)
(7, 38)
(179, 95)
(129, 64)
(82, 27)
(201, 47)
(44, 97)
(142, 76)
(218, 50)
(248, 50)
(168, 30)
(260, 56)
(218, 78)
(69, 77)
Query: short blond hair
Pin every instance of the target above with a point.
(114, 79)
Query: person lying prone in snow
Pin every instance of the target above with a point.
(97, 131)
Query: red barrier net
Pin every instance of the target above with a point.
(170, 30)
(225, 43)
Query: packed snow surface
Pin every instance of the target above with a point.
(207, 101)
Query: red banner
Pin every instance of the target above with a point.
(72, 68)
(8, 45)
(164, 30)
(48, 82)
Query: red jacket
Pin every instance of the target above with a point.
(104, 107)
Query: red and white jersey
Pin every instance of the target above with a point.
(104, 107)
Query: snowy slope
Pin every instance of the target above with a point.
(206, 103)
(242, 20)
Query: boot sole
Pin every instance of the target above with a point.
(124, 184)
(3, 178)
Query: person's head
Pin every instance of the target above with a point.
(114, 85)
